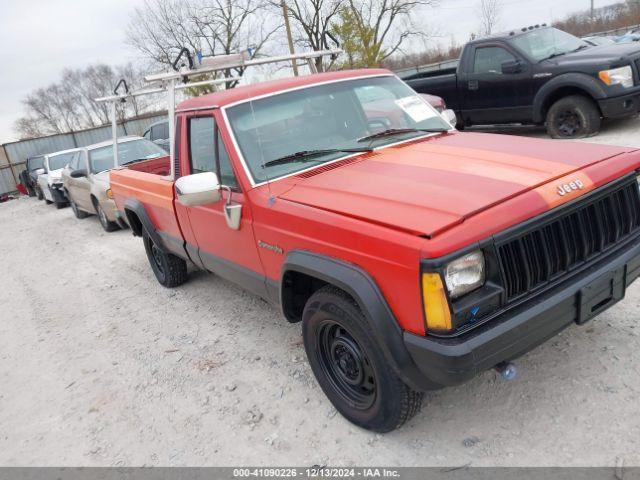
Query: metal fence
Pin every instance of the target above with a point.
(13, 156)
(453, 63)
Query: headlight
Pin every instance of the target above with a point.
(465, 274)
(109, 193)
(617, 76)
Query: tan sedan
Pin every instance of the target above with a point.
(86, 179)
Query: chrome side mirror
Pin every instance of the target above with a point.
(198, 189)
(450, 116)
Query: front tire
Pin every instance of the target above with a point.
(39, 194)
(107, 225)
(574, 116)
(170, 271)
(76, 211)
(350, 365)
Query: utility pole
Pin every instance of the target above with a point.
(591, 11)
(287, 27)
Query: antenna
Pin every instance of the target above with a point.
(167, 82)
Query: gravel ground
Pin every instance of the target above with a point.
(99, 365)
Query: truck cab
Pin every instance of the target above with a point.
(539, 75)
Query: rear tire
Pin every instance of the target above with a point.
(574, 116)
(350, 365)
(170, 271)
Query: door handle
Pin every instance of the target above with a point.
(473, 85)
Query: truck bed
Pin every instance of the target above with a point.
(148, 184)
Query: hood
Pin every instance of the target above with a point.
(54, 175)
(428, 186)
(102, 178)
(602, 53)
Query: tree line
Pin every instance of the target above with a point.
(370, 31)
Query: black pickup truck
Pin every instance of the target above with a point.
(539, 75)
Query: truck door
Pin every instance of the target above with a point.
(230, 253)
(493, 94)
(79, 188)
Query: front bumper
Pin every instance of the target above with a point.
(452, 361)
(622, 106)
(57, 193)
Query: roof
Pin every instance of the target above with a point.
(516, 32)
(106, 143)
(60, 152)
(226, 97)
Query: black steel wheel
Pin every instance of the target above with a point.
(170, 271)
(574, 116)
(346, 365)
(350, 365)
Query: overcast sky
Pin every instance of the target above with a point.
(39, 38)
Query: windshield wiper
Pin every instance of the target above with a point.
(305, 155)
(553, 55)
(397, 131)
(581, 47)
(135, 160)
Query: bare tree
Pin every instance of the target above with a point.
(489, 12)
(373, 30)
(312, 21)
(161, 28)
(69, 105)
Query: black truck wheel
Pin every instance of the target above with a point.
(170, 271)
(39, 194)
(350, 366)
(574, 116)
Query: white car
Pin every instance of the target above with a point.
(86, 179)
(50, 177)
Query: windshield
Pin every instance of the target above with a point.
(544, 43)
(35, 163)
(101, 159)
(331, 116)
(62, 160)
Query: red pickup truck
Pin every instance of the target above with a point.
(414, 255)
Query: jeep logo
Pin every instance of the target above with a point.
(568, 187)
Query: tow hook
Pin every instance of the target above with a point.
(507, 370)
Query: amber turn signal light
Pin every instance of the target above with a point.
(436, 308)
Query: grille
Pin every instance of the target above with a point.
(550, 250)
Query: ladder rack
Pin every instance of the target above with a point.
(169, 82)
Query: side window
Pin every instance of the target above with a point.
(147, 134)
(490, 59)
(201, 147)
(204, 138)
(74, 163)
(163, 133)
(226, 174)
(160, 132)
